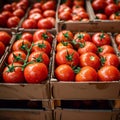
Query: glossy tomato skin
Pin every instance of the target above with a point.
(39, 56)
(114, 16)
(108, 73)
(29, 24)
(101, 16)
(3, 21)
(42, 34)
(78, 2)
(86, 74)
(16, 56)
(21, 45)
(87, 47)
(19, 13)
(7, 14)
(38, 5)
(67, 56)
(27, 36)
(90, 59)
(117, 39)
(65, 15)
(64, 73)
(64, 35)
(5, 37)
(7, 7)
(105, 49)
(34, 73)
(13, 21)
(35, 10)
(110, 59)
(42, 45)
(15, 76)
(64, 7)
(100, 39)
(2, 48)
(49, 13)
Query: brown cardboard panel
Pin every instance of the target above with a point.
(24, 91)
(71, 114)
(92, 90)
(21, 114)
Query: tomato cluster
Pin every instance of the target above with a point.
(106, 9)
(84, 57)
(12, 13)
(73, 10)
(42, 16)
(29, 58)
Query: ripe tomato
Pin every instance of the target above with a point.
(13, 21)
(105, 49)
(64, 35)
(101, 16)
(35, 16)
(90, 59)
(67, 56)
(3, 21)
(63, 8)
(52, 20)
(22, 5)
(117, 39)
(34, 73)
(42, 34)
(21, 45)
(63, 45)
(86, 74)
(64, 73)
(67, 2)
(110, 9)
(42, 45)
(49, 5)
(37, 5)
(13, 74)
(29, 24)
(39, 56)
(19, 13)
(5, 37)
(16, 56)
(49, 13)
(110, 59)
(114, 16)
(78, 2)
(27, 36)
(76, 17)
(35, 10)
(7, 7)
(100, 39)
(77, 9)
(45, 23)
(87, 47)
(83, 14)
(2, 48)
(109, 1)
(108, 73)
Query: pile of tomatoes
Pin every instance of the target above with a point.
(106, 9)
(73, 10)
(85, 57)
(29, 58)
(42, 15)
(12, 13)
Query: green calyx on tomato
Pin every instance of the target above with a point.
(76, 69)
(81, 45)
(92, 58)
(100, 49)
(80, 36)
(64, 43)
(38, 59)
(102, 36)
(24, 46)
(45, 36)
(17, 58)
(102, 59)
(69, 56)
(66, 35)
(41, 45)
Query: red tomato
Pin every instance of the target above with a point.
(16, 56)
(64, 7)
(35, 10)
(39, 56)
(35, 16)
(76, 17)
(49, 5)
(13, 74)
(109, 1)
(110, 59)
(83, 15)
(67, 56)
(90, 59)
(86, 74)
(13, 21)
(77, 9)
(42, 45)
(5, 37)
(36, 73)
(29, 24)
(3, 21)
(21, 45)
(101, 39)
(64, 73)
(78, 2)
(49, 13)
(101, 16)
(37, 5)
(65, 15)
(7, 7)
(105, 49)
(45, 24)
(27, 36)
(63, 45)
(110, 9)
(22, 5)
(42, 34)
(2, 48)
(108, 73)
(87, 47)
(52, 20)
(19, 13)
(117, 39)
(7, 14)
(64, 35)
(114, 16)
(67, 2)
